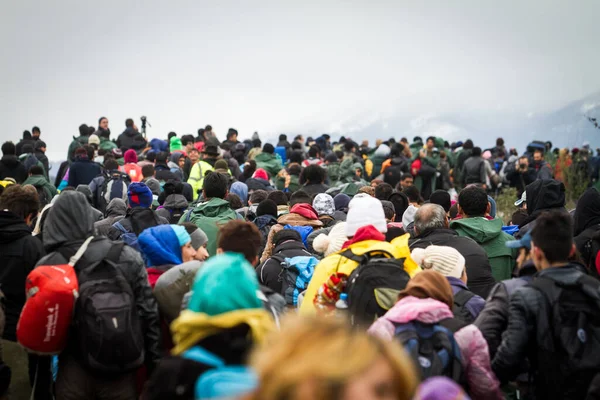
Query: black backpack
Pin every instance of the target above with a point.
(374, 285)
(115, 186)
(433, 348)
(458, 308)
(393, 174)
(568, 337)
(175, 214)
(108, 331)
(590, 252)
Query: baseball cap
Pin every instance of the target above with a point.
(525, 242)
(522, 200)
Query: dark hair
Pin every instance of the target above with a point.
(432, 138)
(314, 150)
(256, 143)
(170, 135)
(476, 152)
(540, 151)
(100, 120)
(90, 151)
(185, 139)
(468, 144)
(268, 148)
(400, 202)
(553, 234)
(396, 150)
(296, 156)
(35, 129)
(129, 123)
(294, 169)
(278, 197)
(231, 132)
(26, 135)
(257, 196)
(282, 137)
(314, 174)
(519, 217)
(215, 185)
(349, 145)
(383, 191)
(148, 170)
(298, 197)
(240, 237)
(208, 128)
(84, 130)
(499, 142)
(296, 145)
(80, 151)
(36, 170)
(111, 165)
(406, 175)
(453, 213)
(413, 194)
(442, 198)
(234, 200)
(9, 148)
(18, 200)
(473, 200)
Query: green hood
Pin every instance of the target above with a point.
(265, 157)
(36, 180)
(213, 208)
(479, 229)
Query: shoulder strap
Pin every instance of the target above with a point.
(462, 297)
(114, 253)
(75, 259)
(360, 258)
(120, 227)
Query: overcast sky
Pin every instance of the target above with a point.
(293, 66)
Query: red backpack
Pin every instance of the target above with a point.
(52, 291)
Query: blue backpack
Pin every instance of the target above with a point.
(304, 231)
(129, 238)
(296, 273)
(223, 381)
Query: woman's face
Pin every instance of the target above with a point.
(187, 252)
(375, 383)
(201, 253)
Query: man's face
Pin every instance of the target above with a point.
(524, 162)
(194, 155)
(430, 144)
(233, 138)
(181, 162)
(104, 123)
(537, 157)
(42, 149)
(406, 182)
(35, 134)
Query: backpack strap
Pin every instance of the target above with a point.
(114, 253)
(203, 356)
(365, 256)
(462, 297)
(75, 259)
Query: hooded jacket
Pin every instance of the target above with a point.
(268, 162)
(270, 272)
(160, 246)
(172, 202)
(479, 270)
(586, 221)
(473, 348)
(542, 195)
(301, 215)
(67, 226)
(19, 252)
(208, 216)
(489, 235)
(136, 220)
(259, 184)
(83, 171)
(115, 211)
(11, 167)
(131, 139)
(39, 181)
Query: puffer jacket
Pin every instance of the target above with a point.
(493, 319)
(473, 347)
(115, 211)
(520, 339)
(268, 162)
(67, 226)
(11, 167)
(131, 139)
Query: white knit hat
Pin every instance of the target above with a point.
(365, 210)
(328, 244)
(443, 259)
(409, 215)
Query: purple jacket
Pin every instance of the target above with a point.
(475, 304)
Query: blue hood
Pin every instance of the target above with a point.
(160, 246)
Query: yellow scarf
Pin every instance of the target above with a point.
(191, 327)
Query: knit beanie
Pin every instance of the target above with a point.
(226, 282)
(139, 195)
(182, 236)
(323, 204)
(341, 202)
(199, 238)
(221, 165)
(266, 207)
(175, 144)
(365, 210)
(93, 139)
(409, 215)
(333, 242)
(443, 259)
(130, 157)
(261, 174)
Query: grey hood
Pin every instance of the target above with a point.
(175, 201)
(116, 208)
(69, 220)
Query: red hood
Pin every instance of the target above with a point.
(306, 210)
(261, 174)
(368, 232)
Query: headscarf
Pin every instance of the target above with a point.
(429, 285)
(241, 189)
(587, 213)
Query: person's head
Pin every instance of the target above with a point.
(111, 165)
(314, 151)
(166, 245)
(430, 217)
(235, 203)
(429, 284)
(473, 202)
(523, 163)
(314, 174)
(538, 155)
(215, 185)
(9, 149)
(443, 259)
(388, 210)
(24, 203)
(524, 248)
(103, 123)
(413, 195)
(430, 143)
(476, 152)
(268, 148)
(36, 170)
(240, 237)
(552, 239)
(232, 134)
(406, 180)
(84, 130)
(296, 157)
(199, 240)
(365, 210)
(442, 198)
(129, 123)
(323, 204)
(187, 141)
(299, 197)
(278, 197)
(35, 132)
(139, 195)
(148, 171)
(499, 142)
(383, 191)
(257, 196)
(302, 361)
(267, 207)
(130, 157)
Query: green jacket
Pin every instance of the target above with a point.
(75, 144)
(269, 162)
(107, 144)
(333, 172)
(209, 216)
(489, 235)
(40, 182)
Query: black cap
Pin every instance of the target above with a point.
(267, 207)
(268, 148)
(285, 235)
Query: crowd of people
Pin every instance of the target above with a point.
(309, 269)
